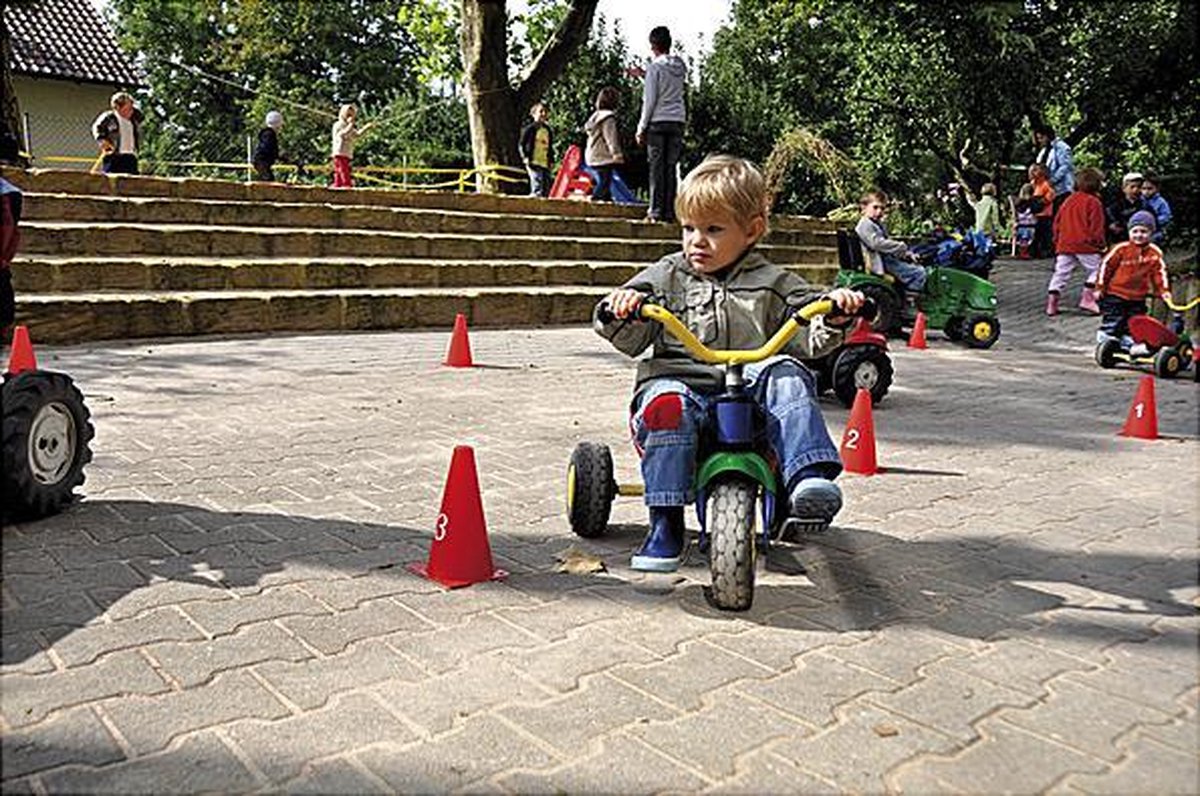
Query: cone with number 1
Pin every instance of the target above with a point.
(1143, 415)
(858, 441)
(460, 554)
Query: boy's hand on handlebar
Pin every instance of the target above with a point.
(625, 302)
(847, 301)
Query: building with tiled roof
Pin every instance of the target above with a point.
(66, 64)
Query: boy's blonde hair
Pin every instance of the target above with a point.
(988, 189)
(726, 184)
(119, 99)
(346, 110)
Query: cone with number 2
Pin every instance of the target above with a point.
(460, 554)
(1143, 415)
(858, 441)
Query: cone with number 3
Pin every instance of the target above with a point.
(460, 554)
(1143, 415)
(858, 441)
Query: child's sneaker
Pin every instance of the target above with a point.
(662, 549)
(815, 502)
(1087, 302)
(1051, 304)
(1139, 350)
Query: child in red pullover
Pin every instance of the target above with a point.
(1127, 275)
(1078, 240)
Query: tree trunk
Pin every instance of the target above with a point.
(495, 108)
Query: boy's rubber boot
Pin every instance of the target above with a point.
(1051, 304)
(814, 504)
(662, 549)
(1087, 302)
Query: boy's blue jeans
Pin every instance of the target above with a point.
(910, 275)
(670, 418)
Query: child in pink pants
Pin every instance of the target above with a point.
(1078, 240)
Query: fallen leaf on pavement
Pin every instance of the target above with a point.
(885, 730)
(579, 562)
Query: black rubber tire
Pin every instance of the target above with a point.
(984, 341)
(38, 475)
(1167, 362)
(862, 366)
(954, 328)
(594, 489)
(1106, 352)
(887, 318)
(732, 549)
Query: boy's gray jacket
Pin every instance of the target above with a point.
(108, 128)
(876, 243)
(741, 311)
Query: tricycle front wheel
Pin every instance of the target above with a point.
(732, 548)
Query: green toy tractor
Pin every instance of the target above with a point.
(960, 304)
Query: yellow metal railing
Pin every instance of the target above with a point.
(459, 179)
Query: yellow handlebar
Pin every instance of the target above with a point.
(722, 357)
(1183, 307)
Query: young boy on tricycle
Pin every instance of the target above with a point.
(730, 297)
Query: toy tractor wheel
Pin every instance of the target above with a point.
(887, 308)
(732, 551)
(954, 328)
(1167, 363)
(46, 434)
(590, 489)
(864, 366)
(1106, 352)
(982, 331)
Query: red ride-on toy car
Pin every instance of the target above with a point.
(1158, 347)
(860, 361)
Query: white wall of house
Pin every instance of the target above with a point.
(60, 114)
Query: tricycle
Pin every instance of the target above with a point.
(738, 486)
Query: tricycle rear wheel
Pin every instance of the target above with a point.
(732, 551)
(590, 489)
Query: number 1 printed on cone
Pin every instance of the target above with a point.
(858, 441)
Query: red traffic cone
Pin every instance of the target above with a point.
(1143, 416)
(459, 355)
(21, 358)
(917, 338)
(460, 554)
(858, 441)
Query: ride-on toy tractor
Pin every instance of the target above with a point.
(45, 438)
(1167, 351)
(740, 500)
(960, 304)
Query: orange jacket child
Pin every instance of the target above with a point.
(1043, 190)
(1133, 272)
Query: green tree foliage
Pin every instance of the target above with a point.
(216, 67)
(922, 93)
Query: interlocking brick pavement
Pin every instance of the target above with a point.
(1010, 606)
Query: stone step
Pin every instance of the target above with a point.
(82, 317)
(87, 274)
(226, 213)
(65, 181)
(68, 238)
(76, 318)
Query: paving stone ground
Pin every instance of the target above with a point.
(1012, 606)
